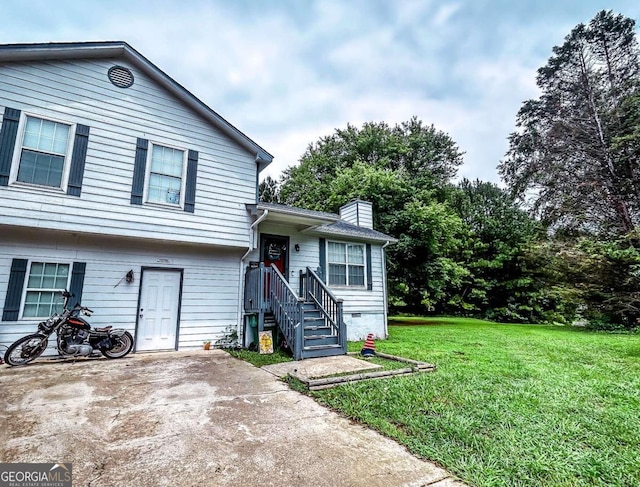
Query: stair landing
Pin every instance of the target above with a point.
(320, 367)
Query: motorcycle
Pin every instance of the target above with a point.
(75, 337)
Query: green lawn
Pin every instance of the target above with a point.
(258, 359)
(510, 405)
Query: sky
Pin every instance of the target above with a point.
(288, 72)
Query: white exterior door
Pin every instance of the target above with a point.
(158, 312)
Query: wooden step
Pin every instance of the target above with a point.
(323, 351)
(317, 330)
(313, 314)
(317, 327)
(308, 319)
(322, 347)
(314, 340)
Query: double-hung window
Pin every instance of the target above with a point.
(166, 175)
(42, 293)
(43, 153)
(346, 264)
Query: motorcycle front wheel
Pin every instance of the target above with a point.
(122, 347)
(26, 349)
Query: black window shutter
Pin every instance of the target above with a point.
(323, 259)
(14, 290)
(78, 158)
(190, 189)
(137, 187)
(77, 281)
(8, 134)
(369, 271)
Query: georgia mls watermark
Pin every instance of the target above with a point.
(35, 475)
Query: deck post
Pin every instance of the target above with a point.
(301, 284)
(342, 324)
(261, 292)
(299, 331)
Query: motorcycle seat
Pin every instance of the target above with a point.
(104, 328)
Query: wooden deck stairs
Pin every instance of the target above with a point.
(311, 323)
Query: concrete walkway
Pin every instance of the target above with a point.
(191, 419)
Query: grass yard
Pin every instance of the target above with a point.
(510, 405)
(259, 360)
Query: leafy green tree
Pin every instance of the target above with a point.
(498, 285)
(575, 152)
(605, 278)
(404, 171)
(425, 273)
(543, 290)
(462, 249)
(269, 191)
(385, 188)
(576, 155)
(427, 157)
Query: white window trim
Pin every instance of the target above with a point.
(25, 286)
(17, 152)
(183, 177)
(364, 266)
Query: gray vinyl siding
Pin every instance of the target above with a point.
(78, 91)
(349, 214)
(358, 213)
(209, 291)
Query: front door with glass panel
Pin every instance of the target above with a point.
(275, 250)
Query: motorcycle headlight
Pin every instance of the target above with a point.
(49, 324)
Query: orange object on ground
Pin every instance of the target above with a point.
(369, 347)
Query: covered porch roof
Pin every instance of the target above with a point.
(291, 215)
(348, 230)
(316, 222)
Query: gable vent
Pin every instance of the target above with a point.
(120, 76)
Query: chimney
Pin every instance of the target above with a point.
(358, 212)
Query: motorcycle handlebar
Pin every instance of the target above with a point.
(77, 307)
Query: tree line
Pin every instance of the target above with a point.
(558, 243)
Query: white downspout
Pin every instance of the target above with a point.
(251, 248)
(384, 287)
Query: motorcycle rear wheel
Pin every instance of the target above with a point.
(26, 349)
(122, 348)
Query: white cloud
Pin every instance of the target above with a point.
(444, 13)
(289, 72)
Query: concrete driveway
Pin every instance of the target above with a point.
(190, 419)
